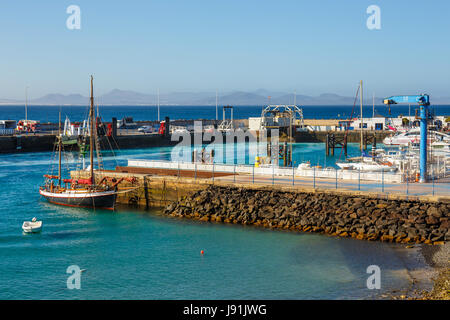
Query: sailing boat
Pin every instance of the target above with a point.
(365, 163)
(82, 192)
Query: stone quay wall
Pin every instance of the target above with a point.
(356, 216)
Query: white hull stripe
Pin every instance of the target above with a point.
(76, 194)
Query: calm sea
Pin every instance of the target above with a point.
(132, 254)
(78, 113)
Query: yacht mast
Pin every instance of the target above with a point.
(217, 110)
(91, 136)
(373, 105)
(59, 148)
(158, 108)
(362, 138)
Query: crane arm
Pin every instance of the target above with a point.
(422, 99)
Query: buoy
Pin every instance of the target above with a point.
(202, 252)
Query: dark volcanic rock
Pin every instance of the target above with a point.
(358, 217)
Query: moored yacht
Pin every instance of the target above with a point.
(82, 192)
(413, 136)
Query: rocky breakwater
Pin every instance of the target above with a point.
(358, 217)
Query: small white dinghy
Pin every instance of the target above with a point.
(32, 226)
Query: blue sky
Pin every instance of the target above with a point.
(311, 47)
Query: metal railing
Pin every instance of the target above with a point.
(315, 178)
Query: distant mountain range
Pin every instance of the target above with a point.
(258, 97)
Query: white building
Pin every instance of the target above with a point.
(376, 123)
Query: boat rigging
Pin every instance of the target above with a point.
(82, 192)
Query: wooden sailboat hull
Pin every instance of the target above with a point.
(90, 197)
(100, 200)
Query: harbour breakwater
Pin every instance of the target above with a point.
(46, 142)
(355, 216)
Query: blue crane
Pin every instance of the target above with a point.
(423, 101)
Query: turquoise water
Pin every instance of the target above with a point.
(301, 152)
(132, 254)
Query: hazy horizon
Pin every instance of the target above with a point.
(259, 97)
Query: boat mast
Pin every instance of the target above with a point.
(26, 103)
(158, 107)
(373, 105)
(91, 137)
(362, 138)
(217, 110)
(59, 148)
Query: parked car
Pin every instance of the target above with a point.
(126, 123)
(146, 129)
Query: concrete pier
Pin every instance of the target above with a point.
(46, 142)
(346, 213)
(132, 139)
(158, 187)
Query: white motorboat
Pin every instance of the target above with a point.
(32, 226)
(374, 167)
(345, 165)
(413, 136)
(304, 165)
(367, 167)
(307, 165)
(367, 164)
(403, 138)
(442, 146)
